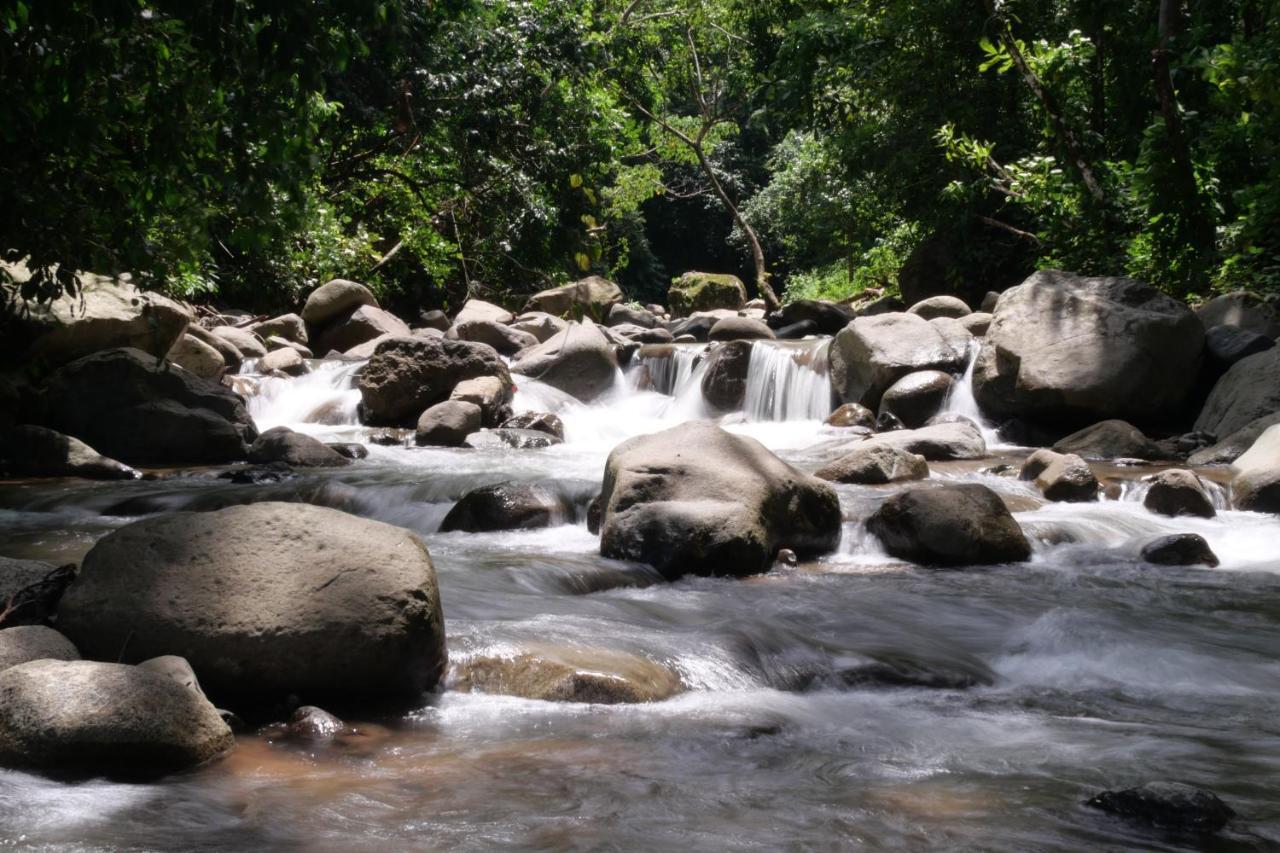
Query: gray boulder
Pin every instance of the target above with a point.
(938, 442)
(875, 464)
(509, 506)
(740, 329)
(963, 524)
(34, 451)
(1256, 484)
(478, 309)
(1114, 439)
(507, 340)
(197, 357)
(490, 393)
(285, 360)
(1249, 390)
(695, 499)
(579, 361)
(126, 406)
(541, 325)
(1061, 476)
(264, 600)
(940, 306)
(33, 642)
(872, 353)
(1065, 346)
(1178, 492)
(246, 342)
(230, 355)
(448, 424)
(624, 314)
(1180, 549)
(591, 297)
(104, 717)
(1225, 345)
(406, 376)
(290, 327)
(333, 299)
(1228, 449)
(17, 575)
(361, 325)
(281, 444)
(976, 323)
(918, 396)
(1241, 310)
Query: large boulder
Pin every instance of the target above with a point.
(963, 524)
(246, 342)
(509, 506)
(129, 407)
(1225, 345)
(827, 318)
(25, 643)
(695, 499)
(1233, 446)
(478, 309)
(1062, 346)
(872, 353)
(507, 340)
(448, 424)
(1178, 492)
(875, 464)
(1113, 439)
(105, 717)
(918, 396)
(361, 325)
(1256, 484)
(34, 451)
(265, 600)
(724, 384)
(569, 674)
(288, 326)
(1241, 310)
(281, 444)
(701, 291)
(940, 306)
(194, 355)
(406, 376)
(230, 355)
(591, 297)
(959, 439)
(1249, 390)
(541, 325)
(740, 329)
(579, 361)
(103, 314)
(626, 314)
(333, 299)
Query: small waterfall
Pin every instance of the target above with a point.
(788, 382)
(326, 396)
(669, 370)
(961, 401)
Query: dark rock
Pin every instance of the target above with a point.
(962, 524)
(281, 444)
(724, 385)
(1178, 492)
(30, 590)
(918, 396)
(739, 329)
(875, 464)
(273, 472)
(1180, 549)
(1249, 390)
(508, 506)
(796, 331)
(852, 415)
(1241, 310)
(1170, 805)
(358, 326)
(349, 449)
(1226, 345)
(888, 422)
(1061, 476)
(827, 318)
(539, 421)
(310, 723)
(448, 424)
(406, 376)
(33, 451)
(1112, 439)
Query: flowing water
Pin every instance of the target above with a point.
(1087, 669)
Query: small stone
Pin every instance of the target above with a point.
(1171, 805)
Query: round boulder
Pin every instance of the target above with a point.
(265, 599)
(872, 353)
(508, 506)
(963, 524)
(740, 329)
(333, 299)
(24, 643)
(579, 361)
(940, 306)
(1178, 492)
(917, 396)
(448, 424)
(1180, 549)
(406, 376)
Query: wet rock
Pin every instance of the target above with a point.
(334, 299)
(507, 340)
(1178, 492)
(287, 361)
(623, 314)
(937, 443)
(1113, 439)
(33, 451)
(872, 353)
(508, 506)
(898, 671)
(264, 600)
(30, 590)
(888, 422)
(976, 323)
(246, 342)
(1061, 476)
(539, 421)
(290, 327)
(33, 642)
(1180, 549)
(448, 424)
(962, 524)
(874, 465)
(281, 444)
(796, 331)
(361, 325)
(1241, 310)
(517, 439)
(348, 449)
(940, 306)
(197, 357)
(579, 361)
(490, 393)
(541, 325)
(852, 415)
(684, 339)
(1225, 345)
(104, 717)
(273, 472)
(592, 296)
(104, 313)
(739, 329)
(1171, 805)
(391, 437)
(918, 396)
(1256, 484)
(824, 318)
(309, 724)
(1066, 346)
(478, 309)
(724, 384)
(406, 376)
(176, 669)
(1249, 390)
(570, 675)
(124, 404)
(696, 499)
(700, 291)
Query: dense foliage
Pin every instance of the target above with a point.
(242, 150)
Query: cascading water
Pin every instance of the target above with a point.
(788, 381)
(961, 400)
(325, 397)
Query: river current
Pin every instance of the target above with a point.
(1031, 688)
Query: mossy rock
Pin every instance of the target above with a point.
(700, 291)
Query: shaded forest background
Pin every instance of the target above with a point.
(242, 151)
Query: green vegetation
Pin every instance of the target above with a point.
(242, 151)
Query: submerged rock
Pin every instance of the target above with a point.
(1170, 805)
(281, 444)
(265, 599)
(508, 506)
(1180, 549)
(519, 439)
(104, 718)
(695, 499)
(570, 675)
(962, 524)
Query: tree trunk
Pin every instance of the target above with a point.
(757, 251)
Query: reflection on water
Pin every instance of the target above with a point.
(800, 727)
